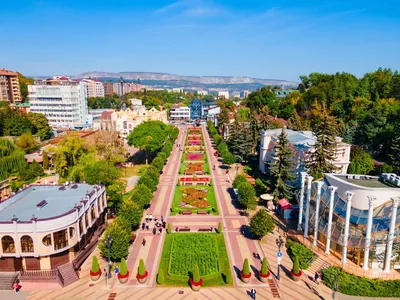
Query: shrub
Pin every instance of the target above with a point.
(296, 268)
(228, 278)
(261, 223)
(160, 277)
(246, 267)
(247, 195)
(169, 230)
(196, 273)
(141, 268)
(122, 269)
(120, 232)
(131, 212)
(264, 266)
(300, 251)
(95, 264)
(219, 227)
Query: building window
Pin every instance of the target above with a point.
(81, 227)
(47, 240)
(71, 232)
(93, 213)
(27, 244)
(8, 244)
(60, 239)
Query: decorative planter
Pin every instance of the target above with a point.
(196, 285)
(264, 277)
(142, 279)
(95, 276)
(245, 278)
(123, 278)
(296, 277)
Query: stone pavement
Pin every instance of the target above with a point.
(238, 248)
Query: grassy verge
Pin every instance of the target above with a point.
(130, 171)
(209, 280)
(210, 198)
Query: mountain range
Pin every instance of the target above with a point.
(211, 83)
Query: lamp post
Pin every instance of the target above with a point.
(108, 243)
(279, 242)
(335, 287)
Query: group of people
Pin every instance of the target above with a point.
(159, 225)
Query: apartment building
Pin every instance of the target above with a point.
(108, 88)
(94, 88)
(223, 95)
(9, 87)
(62, 101)
(122, 88)
(179, 113)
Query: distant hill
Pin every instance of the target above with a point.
(190, 82)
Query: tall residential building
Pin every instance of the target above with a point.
(94, 88)
(122, 88)
(108, 88)
(179, 113)
(64, 104)
(9, 87)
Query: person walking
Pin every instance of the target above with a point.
(147, 225)
(147, 217)
(150, 217)
(116, 271)
(316, 278)
(16, 286)
(253, 293)
(154, 230)
(162, 219)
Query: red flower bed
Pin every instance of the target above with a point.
(194, 167)
(191, 179)
(123, 276)
(265, 275)
(142, 277)
(194, 156)
(245, 276)
(194, 142)
(95, 273)
(195, 197)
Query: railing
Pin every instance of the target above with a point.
(39, 275)
(312, 260)
(60, 278)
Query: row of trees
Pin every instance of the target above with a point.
(227, 157)
(130, 209)
(14, 122)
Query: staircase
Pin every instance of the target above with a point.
(67, 274)
(7, 280)
(318, 265)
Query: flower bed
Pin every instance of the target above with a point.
(194, 156)
(195, 148)
(194, 168)
(194, 248)
(194, 137)
(194, 143)
(194, 198)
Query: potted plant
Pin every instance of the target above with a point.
(95, 272)
(264, 272)
(296, 272)
(142, 272)
(123, 274)
(196, 282)
(245, 274)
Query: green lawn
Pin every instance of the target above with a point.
(206, 168)
(182, 250)
(210, 198)
(130, 171)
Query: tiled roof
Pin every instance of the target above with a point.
(5, 72)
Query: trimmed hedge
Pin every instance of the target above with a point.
(300, 251)
(360, 286)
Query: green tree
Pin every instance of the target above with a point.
(361, 161)
(228, 278)
(123, 271)
(26, 142)
(142, 195)
(41, 125)
(109, 146)
(240, 141)
(23, 85)
(260, 187)
(131, 212)
(246, 267)
(238, 180)
(160, 277)
(95, 265)
(228, 158)
(120, 233)
(264, 266)
(158, 163)
(101, 171)
(219, 227)
(45, 160)
(296, 268)
(12, 159)
(114, 193)
(321, 160)
(141, 268)
(247, 195)
(395, 154)
(196, 273)
(282, 168)
(261, 223)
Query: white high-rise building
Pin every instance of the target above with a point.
(94, 88)
(64, 104)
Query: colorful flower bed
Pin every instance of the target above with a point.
(195, 198)
(194, 143)
(194, 156)
(194, 131)
(192, 168)
(187, 250)
(194, 148)
(194, 137)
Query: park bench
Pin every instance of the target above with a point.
(186, 212)
(186, 229)
(205, 229)
(202, 212)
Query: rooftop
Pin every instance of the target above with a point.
(4, 72)
(58, 202)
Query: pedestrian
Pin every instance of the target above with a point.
(160, 230)
(16, 286)
(143, 225)
(147, 226)
(164, 224)
(316, 277)
(150, 217)
(147, 217)
(162, 219)
(116, 271)
(253, 293)
(154, 230)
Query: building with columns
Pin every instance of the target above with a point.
(45, 227)
(355, 216)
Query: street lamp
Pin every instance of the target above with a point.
(108, 243)
(279, 242)
(335, 287)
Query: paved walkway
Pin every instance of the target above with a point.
(238, 248)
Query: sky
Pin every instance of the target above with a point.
(279, 39)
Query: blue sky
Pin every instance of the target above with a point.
(279, 39)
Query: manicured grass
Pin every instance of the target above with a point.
(210, 198)
(182, 168)
(182, 250)
(130, 171)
